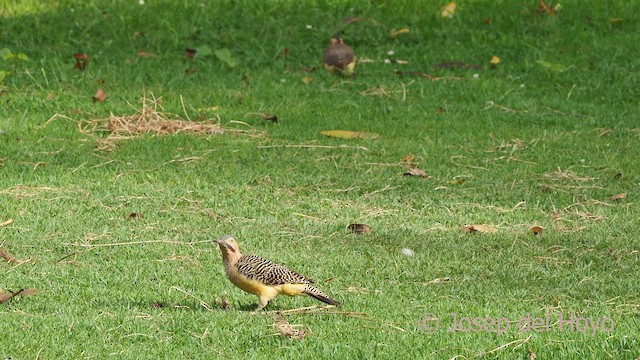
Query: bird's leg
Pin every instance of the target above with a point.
(262, 303)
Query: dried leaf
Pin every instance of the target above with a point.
(604, 132)
(157, 305)
(543, 7)
(395, 33)
(29, 292)
(408, 158)
(615, 21)
(82, 60)
(494, 61)
(270, 117)
(286, 329)
(100, 96)
(346, 134)
(481, 228)
(416, 172)
(536, 230)
(307, 80)
(360, 229)
(6, 222)
(448, 10)
(190, 53)
(407, 252)
(135, 215)
(349, 20)
(618, 196)
(146, 54)
(532, 355)
(5, 255)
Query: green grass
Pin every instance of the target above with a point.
(524, 138)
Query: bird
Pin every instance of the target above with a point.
(263, 278)
(339, 57)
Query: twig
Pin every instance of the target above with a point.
(306, 146)
(137, 243)
(202, 302)
(519, 341)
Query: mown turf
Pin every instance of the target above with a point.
(517, 145)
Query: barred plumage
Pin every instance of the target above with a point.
(259, 276)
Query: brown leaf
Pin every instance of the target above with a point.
(286, 329)
(416, 172)
(6, 223)
(360, 229)
(5, 255)
(618, 196)
(100, 96)
(146, 54)
(270, 117)
(604, 132)
(536, 230)
(24, 292)
(135, 215)
(157, 305)
(307, 80)
(481, 228)
(190, 53)
(544, 8)
(29, 292)
(408, 158)
(82, 60)
(532, 355)
(349, 20)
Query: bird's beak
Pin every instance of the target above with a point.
(223, 242)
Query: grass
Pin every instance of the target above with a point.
(519, 145)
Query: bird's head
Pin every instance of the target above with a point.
(229, 247)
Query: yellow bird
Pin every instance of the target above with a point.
(339, 57)
(259, 276)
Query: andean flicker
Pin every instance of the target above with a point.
(259, 276)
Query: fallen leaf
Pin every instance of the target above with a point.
(407, 252)
(346, 134)
(286, 329)
(448, 10)
(82, 60)
(481, 228)
(146, 54)
(157, 305)
(615, 21)
(494, 61)
(24, 292)
(408, 158)
(402, 62)
(395, 33)
(203, 51)
(270, 117)
(100, 96)
(457, 181)
(536, 230)
(360, 229)
(552, 66)
(224, 54)
(349, 20)
(543, 7)
(618, 196)
(190, 53)
(487, 21)
(415, 172)
(307, 79)
(604, 132)
(135, 215)
(6, 222)
(532, 355)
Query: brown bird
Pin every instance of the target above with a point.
(259, 276)
(339, 58)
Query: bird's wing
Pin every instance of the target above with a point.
(258, 268)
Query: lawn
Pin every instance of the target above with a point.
(502, 198)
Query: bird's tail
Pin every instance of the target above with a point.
(316, 294)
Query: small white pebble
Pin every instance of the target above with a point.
(309, 27)
(283, 80)
(390, 52)
(407, 252)
(387, 61)
(522, 86)
(475, 76)
(141, 2)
